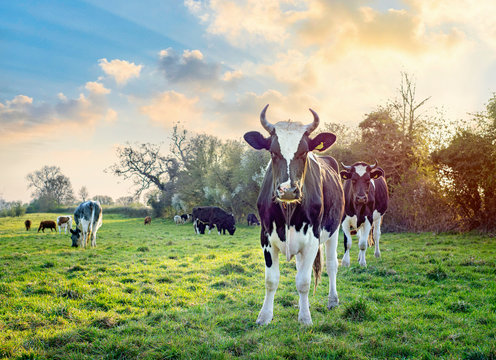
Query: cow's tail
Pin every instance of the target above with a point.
(90, 227)
(317, 268)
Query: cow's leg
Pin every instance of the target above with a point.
(363, 232)
(377, 235)
(347, 242)
(93, 238)
(304, 278)
(271, 255)
(331, 247)
(59, 230)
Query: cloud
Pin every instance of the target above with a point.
(22, 119)
(96, 88)
(170, 107)
(189, 67)
(247, 22)
(120, 70)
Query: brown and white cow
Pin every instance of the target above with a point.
(366, 196)
(64, 222)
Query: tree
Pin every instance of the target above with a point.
(145, 166)
(104, 199)
(50, 186)
(83, 193)
(467, 165)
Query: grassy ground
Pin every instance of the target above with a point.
(160, 292)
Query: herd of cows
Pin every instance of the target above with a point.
(303, 200)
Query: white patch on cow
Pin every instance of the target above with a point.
(289, 135)
(360, 169)
(373, 183)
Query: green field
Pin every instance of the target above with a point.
(160, 292)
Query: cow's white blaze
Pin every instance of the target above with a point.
(360, 169)
(289, 135)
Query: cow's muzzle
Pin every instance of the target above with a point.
(361, 199)
(288, 194)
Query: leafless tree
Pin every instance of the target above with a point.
(50, 183)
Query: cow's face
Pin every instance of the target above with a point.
(289, 144)
(75, 235)
(360, 175)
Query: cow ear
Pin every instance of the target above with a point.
(345, 175)
(257, 141)
(376, 173)
(322, 142)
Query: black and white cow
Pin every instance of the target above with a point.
(88, 219)
(251, 219)
(211, 216)
(186, 218)
(366, 196)
(300, 205)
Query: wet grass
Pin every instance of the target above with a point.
(162, 292)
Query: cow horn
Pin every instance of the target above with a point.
(372, 167)
(266, 125)
(311, 127)
(346, 166)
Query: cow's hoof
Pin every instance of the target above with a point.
(345, 263)
(332, 303)
(305, 319)
(377, 254)
(264, 318)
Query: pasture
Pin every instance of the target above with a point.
(162, 292)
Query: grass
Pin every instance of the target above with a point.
(162, 292)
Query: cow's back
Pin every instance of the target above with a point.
(381, 195)
(85, 210)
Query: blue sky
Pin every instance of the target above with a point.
(78, 78)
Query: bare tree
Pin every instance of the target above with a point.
(50, 183)
(145, 166)
(83, 193)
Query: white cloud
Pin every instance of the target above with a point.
(120, 70)
(97, 88)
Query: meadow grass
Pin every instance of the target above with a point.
(162, 292)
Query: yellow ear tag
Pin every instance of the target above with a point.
(320, 146)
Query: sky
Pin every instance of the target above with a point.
(79, 78)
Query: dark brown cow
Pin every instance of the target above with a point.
(47, 224)
(27, 224)
(148, 220)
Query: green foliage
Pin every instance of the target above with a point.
(195, 297)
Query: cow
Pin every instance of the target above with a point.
(27, 224)
(88, 219)
(148, 220)
(186, 218)
(178, 220)
(300, 205)
(251, 219)
(64, 222)
(211, 216)
(366, 198)
(47, 224)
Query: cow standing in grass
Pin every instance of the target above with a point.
(148, 220)
(300, 205)
(88, 218)
(27, 224)
(64, 222)
(366, 195)
(47, 224)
